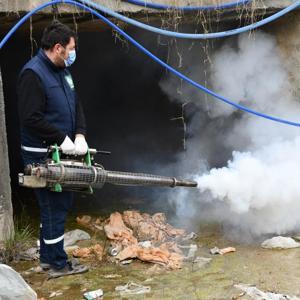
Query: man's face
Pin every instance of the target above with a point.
(62, 53)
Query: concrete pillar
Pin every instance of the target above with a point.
(6, 210)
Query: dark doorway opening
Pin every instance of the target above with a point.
(127, 113)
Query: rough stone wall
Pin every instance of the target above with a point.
(6, 213)
(118, 5)
(287, 32)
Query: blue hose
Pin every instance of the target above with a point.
(188, 8)
(191, 35)
(147, 52)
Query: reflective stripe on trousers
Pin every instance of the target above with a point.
(54, 208)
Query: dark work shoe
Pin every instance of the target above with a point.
(74, 261)
(45, 266)
(69, 269)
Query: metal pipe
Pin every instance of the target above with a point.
(97, 177)
(126, 178)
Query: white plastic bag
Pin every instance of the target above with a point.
(280, 242)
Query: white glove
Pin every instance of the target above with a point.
(81, 146)
(67, 146)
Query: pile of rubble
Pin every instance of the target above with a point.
(140, 235)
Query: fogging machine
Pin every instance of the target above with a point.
(82, 174)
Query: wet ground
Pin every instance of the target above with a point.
(269, 270)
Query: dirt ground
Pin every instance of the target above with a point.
(269, 270)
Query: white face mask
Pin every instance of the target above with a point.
(71, 58)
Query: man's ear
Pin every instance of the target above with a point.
(56, 48)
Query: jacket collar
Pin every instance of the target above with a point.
(42, 55)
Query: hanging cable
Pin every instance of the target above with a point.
(174, 34)
(196, 36)
(152, 56)
(188, 8)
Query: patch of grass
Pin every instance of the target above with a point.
(21, 240)
(23, 235)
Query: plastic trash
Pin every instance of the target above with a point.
(280, 242)
(97, 294)
(74, 236)
(132, 288)
(126, 262)
(145, 244)
(216, 250)
(257, 294)
(55, 294)
(30, 254)
(114, 250)
(33, 270)
(190, 236)
(192, 251)
(110, 276)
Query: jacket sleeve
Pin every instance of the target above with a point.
(31, 105)
(80, 118)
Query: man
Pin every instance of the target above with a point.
(50, 113)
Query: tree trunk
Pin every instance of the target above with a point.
(6, 210)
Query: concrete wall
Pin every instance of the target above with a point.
(287, 31)
(26, 5)
(6, 216)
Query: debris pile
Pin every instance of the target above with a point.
(148, 238)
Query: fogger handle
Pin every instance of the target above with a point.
(92, 151)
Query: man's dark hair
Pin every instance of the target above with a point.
(57, 33)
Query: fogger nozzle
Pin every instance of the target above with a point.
(80, 176)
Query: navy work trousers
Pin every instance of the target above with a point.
(54, 207)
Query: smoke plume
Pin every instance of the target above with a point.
(252, 178)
